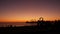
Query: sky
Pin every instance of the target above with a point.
(26, 10)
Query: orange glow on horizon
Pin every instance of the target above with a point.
(27, 19)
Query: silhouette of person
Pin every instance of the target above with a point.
(40, 21)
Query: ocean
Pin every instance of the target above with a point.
(5, 24)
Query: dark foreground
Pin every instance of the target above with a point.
(29, 29)
(40, 27)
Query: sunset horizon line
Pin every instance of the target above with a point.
(29, 20)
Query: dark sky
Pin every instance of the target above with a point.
(22, 10)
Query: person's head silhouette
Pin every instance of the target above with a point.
(41, 19)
